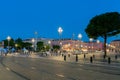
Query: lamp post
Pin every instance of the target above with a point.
(33, 41)
(60, 30)
(98, 41)
(73, 43)
(16, 45)
(49, 42)
(91, 39)
(8, 38)
(79, 37)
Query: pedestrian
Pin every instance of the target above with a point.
(109, 60)
(76, 58)
(84, 56)
(64, 57)
(91, 59)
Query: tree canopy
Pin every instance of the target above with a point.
(19, 43)
(40, 45)
(104, 25)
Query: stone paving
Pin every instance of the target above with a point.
(96, 57)
(93, 69)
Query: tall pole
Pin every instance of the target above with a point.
(80, 36)
(98, 44)
(60, 30)
(73, 42)
(36, 34)
(91, 39)
(49, 42)
(8, 38)
(33, 42)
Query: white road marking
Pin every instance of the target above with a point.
(33, 68)
(60, 75)
(7, 68)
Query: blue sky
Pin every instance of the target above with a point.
(21, 18)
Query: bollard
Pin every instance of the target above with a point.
(91, 59)
(116, 57)
(109, 60)
(64, 57)
(76, 58)
(84, 56)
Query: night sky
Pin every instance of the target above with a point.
(21, 18)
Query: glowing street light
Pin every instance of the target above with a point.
(33, 41)
(98, 41)
(8, 38)
(91, 39)
(79, 37)
(60, 30)
(49, 42)
(16, 45)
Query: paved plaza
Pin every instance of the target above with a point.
(35, 67)
(82, 58)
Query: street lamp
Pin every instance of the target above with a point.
(49, 42)
(91, 39)
(33, 41)
(16, 45)
(8, 38)
(98, 41)
(60, 30)
(36, 34)
(79, 37)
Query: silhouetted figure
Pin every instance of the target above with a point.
(91, 59)
(109, 60)
(116, 57)
(76, 58)
(64, 57)
(84, 56)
